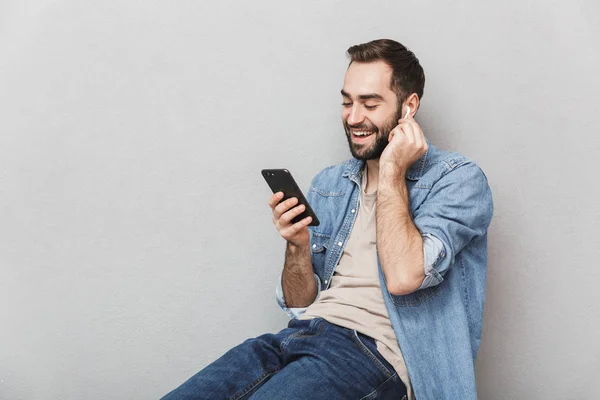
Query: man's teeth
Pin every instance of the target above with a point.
(362, 133)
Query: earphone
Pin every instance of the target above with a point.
(407, 113)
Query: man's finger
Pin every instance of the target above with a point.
(274, 199)
(284, 206)
(291, 214)
(420, 139)
(394, 132)
(406, 121)
(297, 227)
(408, 130)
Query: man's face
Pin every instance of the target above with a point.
(369, 108)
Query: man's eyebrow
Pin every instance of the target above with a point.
(369, 96)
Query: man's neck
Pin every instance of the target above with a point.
(372, 175)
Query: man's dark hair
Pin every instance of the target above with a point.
(407, 74)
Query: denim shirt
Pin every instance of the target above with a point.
(438, 327)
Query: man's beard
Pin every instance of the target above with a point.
(374, 150)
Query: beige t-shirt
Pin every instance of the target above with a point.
(354, 299)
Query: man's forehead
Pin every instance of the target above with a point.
(371, 77)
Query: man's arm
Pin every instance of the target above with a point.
(299, 286)
(399, 242)
(297, 280)
(460, 210)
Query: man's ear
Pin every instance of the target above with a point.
(413, 102)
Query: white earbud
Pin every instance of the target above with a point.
(407, 113)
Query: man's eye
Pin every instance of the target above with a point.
(346, 104)
(370, 107)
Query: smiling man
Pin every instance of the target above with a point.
(386, 294)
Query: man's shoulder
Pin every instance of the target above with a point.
(445, 159)
(450, 164)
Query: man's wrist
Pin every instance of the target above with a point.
(390, 178)
(293, 249)
(392, 170)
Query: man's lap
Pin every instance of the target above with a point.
(309, 359)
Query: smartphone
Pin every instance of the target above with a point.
(281, 180)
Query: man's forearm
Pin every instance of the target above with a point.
(399, 242)
(298, 281)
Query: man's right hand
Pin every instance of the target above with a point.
(283, 213)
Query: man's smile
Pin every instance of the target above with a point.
(360, 136)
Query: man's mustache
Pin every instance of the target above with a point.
(362, 127)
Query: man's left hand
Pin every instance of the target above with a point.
(406, 144)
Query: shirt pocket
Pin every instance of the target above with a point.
(318, 250)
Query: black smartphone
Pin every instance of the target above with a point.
(281, 180)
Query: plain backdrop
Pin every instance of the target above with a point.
(136, 244)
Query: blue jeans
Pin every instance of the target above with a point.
(310, 359)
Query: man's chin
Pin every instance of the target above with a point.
(367, 151)
(363, 155)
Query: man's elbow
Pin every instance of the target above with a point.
(402, 287)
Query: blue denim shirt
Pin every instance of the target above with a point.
(438, 327)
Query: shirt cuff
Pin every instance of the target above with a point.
(290, 311)
(433, 252)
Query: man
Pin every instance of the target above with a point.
(384, 304)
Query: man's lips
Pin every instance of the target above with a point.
(361, 135)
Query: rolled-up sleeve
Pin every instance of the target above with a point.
(291, 311)
(433, 251)
(458, 209)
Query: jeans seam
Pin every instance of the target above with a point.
(252, 385)
(368, 396)
(304, 333)
(287, 339)
(370, 354)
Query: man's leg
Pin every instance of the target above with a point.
(241, 371)
(329, 362)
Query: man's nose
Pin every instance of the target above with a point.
(356, 116)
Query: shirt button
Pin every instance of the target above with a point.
(339, 243)
(314, 246)
(353, 210)
(326, 281)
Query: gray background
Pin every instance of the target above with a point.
(135, 240)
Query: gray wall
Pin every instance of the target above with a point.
(135, 241)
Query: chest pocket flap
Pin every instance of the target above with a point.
(318, 249)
